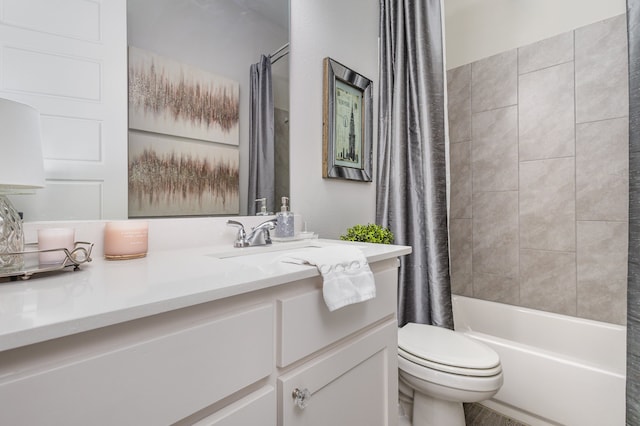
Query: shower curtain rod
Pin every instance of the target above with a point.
(279, 51)
(284, 46)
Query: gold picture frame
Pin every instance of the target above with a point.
(347, 123)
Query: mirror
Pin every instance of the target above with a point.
(224, 38)
(78, 81)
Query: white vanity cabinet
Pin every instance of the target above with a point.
(354, 383)
(234, 361)
(152, 371)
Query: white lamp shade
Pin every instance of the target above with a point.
(21, 163)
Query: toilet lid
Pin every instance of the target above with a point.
(443, 346)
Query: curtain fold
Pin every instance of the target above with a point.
(261, 136)
(411, 192)
(633, 283)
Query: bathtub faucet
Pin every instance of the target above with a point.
(259, 235)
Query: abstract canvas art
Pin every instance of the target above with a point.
(168, 97)
(183, 139)
(171, 176)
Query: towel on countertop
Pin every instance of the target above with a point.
(346, 275)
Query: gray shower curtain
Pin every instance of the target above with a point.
(633, 283)
(261, 137)
(411, 192)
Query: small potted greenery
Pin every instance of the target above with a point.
(370, 233)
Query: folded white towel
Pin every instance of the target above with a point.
(346, 275)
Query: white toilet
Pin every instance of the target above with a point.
(439, 369)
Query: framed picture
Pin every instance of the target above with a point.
(347, 123)
(172, 98)
(171, 176)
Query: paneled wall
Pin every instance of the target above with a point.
(539, 174)
(67, 58)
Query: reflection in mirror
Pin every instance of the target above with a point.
(226, 38)
(264, 142)
(71, 66)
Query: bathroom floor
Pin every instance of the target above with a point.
(479, 415)
(475, 415)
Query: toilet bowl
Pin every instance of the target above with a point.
(439, 369)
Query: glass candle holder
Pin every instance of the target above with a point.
(127, 239)
(55, 238)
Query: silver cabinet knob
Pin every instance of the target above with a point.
(301, 397)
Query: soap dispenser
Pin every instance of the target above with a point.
(284, 221)
(263, 207)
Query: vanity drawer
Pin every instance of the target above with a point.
(306, 325)
(258, 408)
(160, 379)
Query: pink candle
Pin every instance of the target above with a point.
(127, 239)
(55, 238)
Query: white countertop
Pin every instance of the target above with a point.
(104, 292)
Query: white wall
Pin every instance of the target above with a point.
(476, 29)
(346, 31)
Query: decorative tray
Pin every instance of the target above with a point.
(31, 265)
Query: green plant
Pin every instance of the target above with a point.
(370, 233)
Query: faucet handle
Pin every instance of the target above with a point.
(241, 240)
(236, 223)
(267, 224)
(266, 227)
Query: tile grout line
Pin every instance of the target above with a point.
(473, 290)
(519, 275)
(575, 169)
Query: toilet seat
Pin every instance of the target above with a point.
(475, 372)
(419, 377)
(445, 350)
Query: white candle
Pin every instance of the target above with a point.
(55, 238)
(127, 239)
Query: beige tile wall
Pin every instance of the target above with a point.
(539, 174)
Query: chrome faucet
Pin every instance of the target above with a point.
(259, 235)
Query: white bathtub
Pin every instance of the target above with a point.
(558, 370)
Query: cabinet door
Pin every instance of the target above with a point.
(355, 384)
